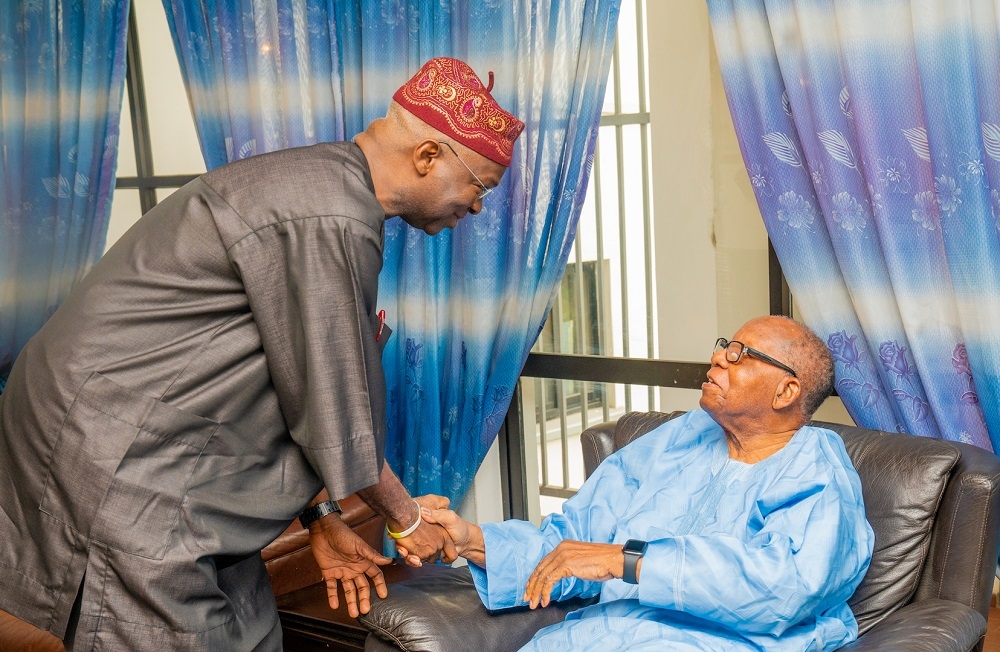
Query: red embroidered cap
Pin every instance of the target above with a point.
(448, 96)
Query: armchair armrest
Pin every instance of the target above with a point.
(18, 636)
(929, 625)
(442, 611)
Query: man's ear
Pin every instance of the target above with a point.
(425, 154)
(787, 393)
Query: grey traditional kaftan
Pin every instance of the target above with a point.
(210, 374)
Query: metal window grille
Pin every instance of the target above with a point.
(605, 307)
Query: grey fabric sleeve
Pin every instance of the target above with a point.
(312, 286)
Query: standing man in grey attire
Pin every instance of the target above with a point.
(218, 368)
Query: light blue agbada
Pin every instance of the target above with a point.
(741, 556)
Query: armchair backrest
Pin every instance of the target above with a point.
(961, 559)
(934, 506)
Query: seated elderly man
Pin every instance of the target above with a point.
(735, 527)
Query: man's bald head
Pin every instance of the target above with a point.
(405, 129)
(805, 352)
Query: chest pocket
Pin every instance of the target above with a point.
(122, 466)
(383, 337)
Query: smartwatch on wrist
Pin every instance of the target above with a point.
(633, 549)
(318, 511)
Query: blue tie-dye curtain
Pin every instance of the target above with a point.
(466, 305)
(62, 71)
(871, 133)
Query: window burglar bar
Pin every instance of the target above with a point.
(584, 303)
(602, 372)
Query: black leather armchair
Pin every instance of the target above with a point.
(934, 507)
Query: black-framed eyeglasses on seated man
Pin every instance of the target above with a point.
(482, 193)
(735, 350)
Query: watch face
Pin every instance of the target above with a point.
(635, 546)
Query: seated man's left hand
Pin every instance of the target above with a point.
(597, 562)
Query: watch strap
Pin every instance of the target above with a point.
(632, 558)
(318, 511)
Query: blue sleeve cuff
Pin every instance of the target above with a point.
(502, 583)
(659, 578)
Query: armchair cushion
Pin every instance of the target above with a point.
(434, 612)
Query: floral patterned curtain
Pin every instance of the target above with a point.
(871, 133)
(62, 72)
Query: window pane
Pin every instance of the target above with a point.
(636, 228)
(628, 58)
(126, 144)
(163, 193)
(125, 211)
(609, 92)
(171, 127)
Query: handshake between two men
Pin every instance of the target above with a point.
(438, 533)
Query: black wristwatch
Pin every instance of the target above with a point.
(318, 511)
(634, 549)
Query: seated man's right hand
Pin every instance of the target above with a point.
(467, 537)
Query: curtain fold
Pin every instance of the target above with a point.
(466, 305)
(62, 71)
(871, 134)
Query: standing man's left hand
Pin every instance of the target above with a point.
(344, 557)
(597, 562)
(390, 500)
